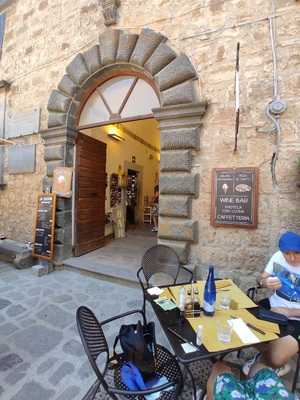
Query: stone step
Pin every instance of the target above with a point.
(16, 253)
(105, 267)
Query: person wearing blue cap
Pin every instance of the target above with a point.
(282, 275)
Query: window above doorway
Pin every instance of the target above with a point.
(2, 27)
(120, 98)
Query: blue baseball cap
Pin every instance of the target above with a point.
(289, 241)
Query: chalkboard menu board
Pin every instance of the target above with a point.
(234, 197)
(44, 226)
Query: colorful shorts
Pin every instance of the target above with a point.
(265, 385)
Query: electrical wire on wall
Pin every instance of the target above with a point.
(276, 106)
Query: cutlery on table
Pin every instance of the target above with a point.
(251, 326)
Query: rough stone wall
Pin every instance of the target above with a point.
(43, 36)
(19, 199)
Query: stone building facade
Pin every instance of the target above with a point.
(54, 54)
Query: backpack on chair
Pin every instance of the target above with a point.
(137, 342)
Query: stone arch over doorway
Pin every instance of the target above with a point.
(179, 116)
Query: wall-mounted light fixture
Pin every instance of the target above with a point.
(115, 132)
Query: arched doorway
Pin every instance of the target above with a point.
(179, 117)
(117, 164)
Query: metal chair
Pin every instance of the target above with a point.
(265, 303)
(96, 346)
(161, 259)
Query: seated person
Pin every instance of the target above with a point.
(282, 275)
(263, 384)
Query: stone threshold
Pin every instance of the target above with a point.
(123, 274)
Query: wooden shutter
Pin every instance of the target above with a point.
(90, 182)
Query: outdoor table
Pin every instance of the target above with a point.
(171, 319)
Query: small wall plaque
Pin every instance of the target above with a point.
(22, 123)
(234, 197)
(21, 159)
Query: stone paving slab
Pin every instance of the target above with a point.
(41, 356)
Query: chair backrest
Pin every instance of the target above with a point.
(92, 337)
(160, 259)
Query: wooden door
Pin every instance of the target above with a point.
(90, 181)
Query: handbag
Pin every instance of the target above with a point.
(272, 316)
(137, 342)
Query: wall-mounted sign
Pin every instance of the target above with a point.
(62, 181)
(43, 242)
(234, 197)
(21, 159)
(22, 123)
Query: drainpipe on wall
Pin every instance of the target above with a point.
(4, 85)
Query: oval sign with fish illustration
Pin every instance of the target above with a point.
(242, 187)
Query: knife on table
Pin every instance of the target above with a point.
(172, 294)
(251, 326)
(183, 339)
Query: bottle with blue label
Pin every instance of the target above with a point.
(209, 301)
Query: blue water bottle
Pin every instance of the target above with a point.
(209, 300)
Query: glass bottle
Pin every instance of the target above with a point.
(188, 309)
(197, 306)
(209, 300)
(181, 305)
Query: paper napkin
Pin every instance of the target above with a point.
(244, 333)
(188, 347)
(155, 291)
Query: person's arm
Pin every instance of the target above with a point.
(289, 312)
(272, 284)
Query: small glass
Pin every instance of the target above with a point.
(199, 335)
(224, 331)
(225, 301)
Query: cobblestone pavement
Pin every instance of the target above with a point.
(41, 356)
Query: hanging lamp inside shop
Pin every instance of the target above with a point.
(115, 132)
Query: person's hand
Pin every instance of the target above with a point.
(272, 282)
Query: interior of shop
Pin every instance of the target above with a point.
(132, 172)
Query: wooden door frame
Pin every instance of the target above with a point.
(140, 169)
(74, 204)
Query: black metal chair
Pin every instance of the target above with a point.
(265, 303)
(161, 259)
(96, 346)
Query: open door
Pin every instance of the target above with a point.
(90, 182)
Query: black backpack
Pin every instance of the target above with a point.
(137, 342)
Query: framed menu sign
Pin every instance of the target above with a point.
(44, 226)
(234, 197)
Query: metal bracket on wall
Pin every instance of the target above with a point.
(273, 111)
